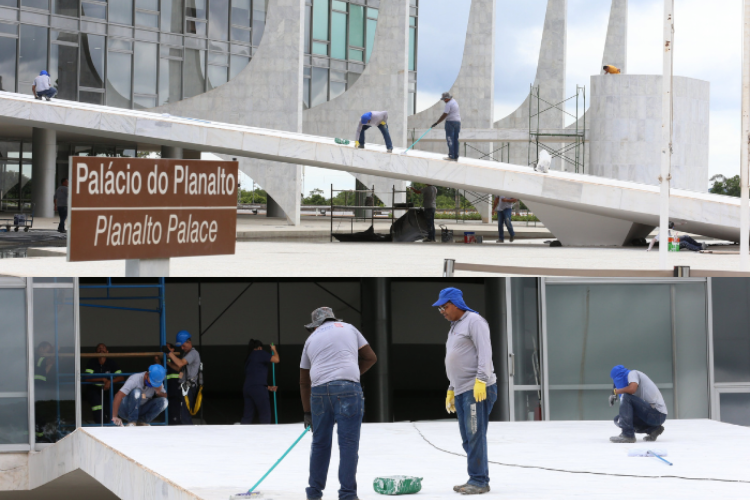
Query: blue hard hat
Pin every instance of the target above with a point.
(619, 376)
(182, 336)
(44, 73)
(366, 118)
(455, 297)
(156, 375)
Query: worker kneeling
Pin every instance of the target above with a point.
(135, 401)
(642, 408)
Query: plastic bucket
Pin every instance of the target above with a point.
(470, 237)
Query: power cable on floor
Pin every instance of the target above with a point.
(580, 471)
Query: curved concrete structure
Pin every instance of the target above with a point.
(383, 85)
(616, 46)
(570, 201)
(267, 93)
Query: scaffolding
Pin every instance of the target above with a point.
(500, 154)
(364, 211)
(160, 309)
(572, 140)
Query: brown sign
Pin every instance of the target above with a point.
(142, 208)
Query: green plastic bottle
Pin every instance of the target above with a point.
(397, 485)
(342, 141)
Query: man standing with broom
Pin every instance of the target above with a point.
(334, 357)
(473, 385)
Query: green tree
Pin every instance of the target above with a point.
(246, 197)
(726, 186)
(316, 198)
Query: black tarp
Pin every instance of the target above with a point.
(408, 228)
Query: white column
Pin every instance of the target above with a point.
(745, 156)
(43, 159)
(666, 133)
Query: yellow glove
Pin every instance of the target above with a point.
(356, 144)
(450, 402)
(382, 123)
(480, 391)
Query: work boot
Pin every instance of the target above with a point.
(512, 238)
(622, 438)
(654, 434)
(470, 489)
(390, 150)
(459, 487)
(499, 241)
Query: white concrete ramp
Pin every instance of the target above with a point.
(628, 207)
(542, 460)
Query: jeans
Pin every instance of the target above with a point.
(473, 419)
(132, 410)
(385, 132)
(63, 212)
(429, 213)
(636, 415)
(50, 92)
(338, 402)
(256, 401)
(452, 130)
(689, 243)
(504, 217)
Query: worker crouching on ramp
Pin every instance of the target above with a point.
(473, 385)
(142, 398)
(642, 408)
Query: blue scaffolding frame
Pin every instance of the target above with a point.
(161, 310)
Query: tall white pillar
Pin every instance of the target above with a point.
(745, 155)
(43, 165)
(666, 134)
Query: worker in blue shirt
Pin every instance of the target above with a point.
(255, 390)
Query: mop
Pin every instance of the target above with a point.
(251, 493)
(656, 453)
(428, 131)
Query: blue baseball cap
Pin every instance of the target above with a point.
(43, 72)
(619, 376)
(156, 375)
(455, 297)
(182, 337)
(366, 118)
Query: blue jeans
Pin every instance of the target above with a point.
(338, 402)
(689, 243)
(473, 419)
(132, 410)
(636, 415)
(385, 132)
(50, 92)
(504, 217)
(63, 213)
(452, 130)
(256, 401)
(430, 215)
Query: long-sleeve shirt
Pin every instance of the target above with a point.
(468, 353)
(377, 117)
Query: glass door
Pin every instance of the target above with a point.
(524, 363)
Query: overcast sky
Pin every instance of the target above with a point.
(707, 47)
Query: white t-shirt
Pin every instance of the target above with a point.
(647, 391)
(453, 111)
(332, 353)
(42, 83)
(137, 381)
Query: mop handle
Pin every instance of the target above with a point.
(428, 131)
(275, 410)
(279, 460)
(657, 456)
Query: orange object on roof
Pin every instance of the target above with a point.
(612, 70)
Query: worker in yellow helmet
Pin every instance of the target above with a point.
(611, 70)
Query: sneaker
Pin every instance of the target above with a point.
(142, 424)
(390, 150)
(459, 487)
(48, 98)
(470, 489)
(704, 246)
(499, 241)
(654, 434)
(622, 438)
(512, 238)
(130, 424)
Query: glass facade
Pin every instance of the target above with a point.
(14, 389)
(15, 175)
(339, 38)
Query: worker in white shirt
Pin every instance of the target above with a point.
(42, 87)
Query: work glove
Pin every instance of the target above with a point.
(434, 125)
(480, 391)
(382, 123)
(613, 398)
(308, 420)
(450, 402)
(117, 421)
(356, 144)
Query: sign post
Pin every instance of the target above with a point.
(148, 210)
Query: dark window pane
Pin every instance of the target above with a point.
(119, 44)
(217, 75)
(306, 94)
(240, 35)
(170, 81)
(92, 61)
(337, 88)
(260, 7)
(118, 79)
(9, 3)
(171, 16)
(147, 20)
(195, 8)
(11, 29)
(95, 10)
(121, 11)
(237, 64)
(8, 64)
(147, 4)
(308, 26)
(241, 12)
(195, 72)
(63, 62)
(36, 4)
(141, 102)
(218, 58)
(218, 20)
(33, 56)
(65, 7)
(319, 91)
(195, 28)
(145, 68)
(61, 36)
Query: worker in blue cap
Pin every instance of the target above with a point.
(642, 408)
(42, 87)
(473, 385)
(141, 399)
(189, 368)
(373, 119)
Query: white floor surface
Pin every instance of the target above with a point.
(214, 462)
